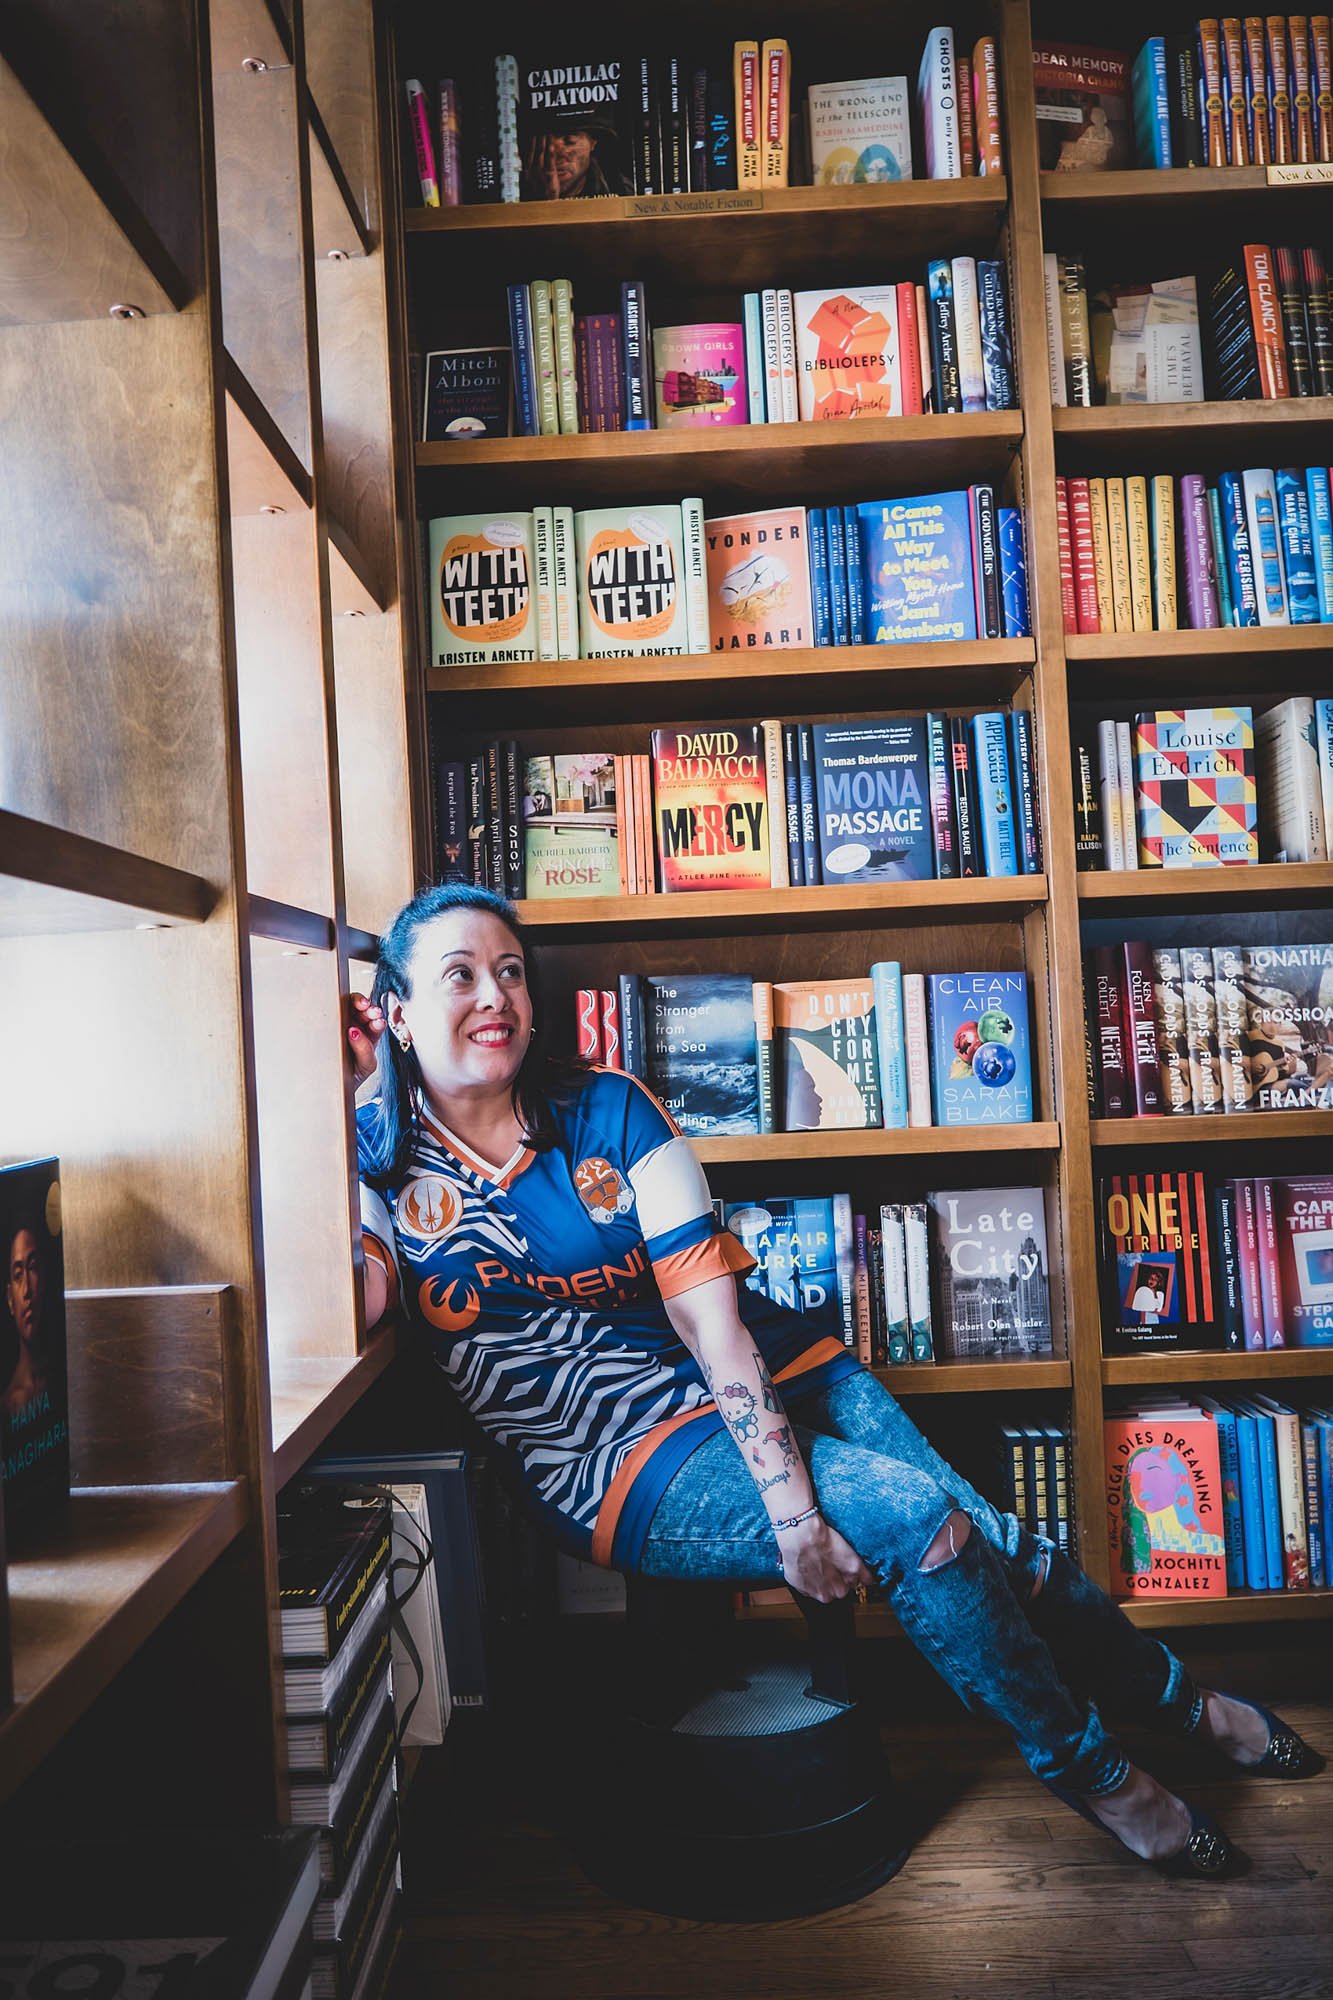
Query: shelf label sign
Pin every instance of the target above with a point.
(1298, 174)
(720, 203)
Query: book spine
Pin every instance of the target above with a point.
(1164, 551)
(1295, 326)
(418, 112)
(1172, 1034)
(543, 529)
(1023, 748)
(644, 147)
(1266, 318)
(1068, 595)
(834, 526)
(633, 1027)
(1251, 1498)
(1014, 574)
(1234, 105)
(763, 1041)
(675, 126)
(787, 356)
(1232, 1027)
(512, 775)
(1314, 1511)
(619, 765)
(929, 404)
(495, 826)
(698, 174)
(1228, 1267)
(524, 362)
(915, 1247)
(1110, 1032)
(696, 575)
(810, 867)
(1196, 965)
(791, 778)
(938, 95)
(1201, 607)
(1086, 608)
(1225, 608)
(477, 841)
(985, 563)
(1293, 510)
(941, 798)
(861, 1292)
(1140, 552)
(967, 137)
(1323, 726)
(772, 357)
(566, 582)
(1270, 1272)
(986, 106)
(1101, 554)
(887, 984)
(1117, 535)
(1261, 519)
(1303, 142)
(506, 114)
(451, 158)
(749, 116)
(967, 332)
(995, 795)
(844, 1243)
(897, 1322)
(909, 352)
(1077, 339)
(543, 341)
(1152, 118)
(1187, 149)
(1240, 562)
(1210, 65)
(965, 798)
(1321, 80)
(1113, 824)
(1142, 1025)
(1291, 1497)
(608, 1009)
(1233, 1532)
(916, 1044)
(1089, 851)
(588, 390)
(588, 1024)
(816, 531)
(1128, 818)
(776, 72)
(637, 357)
(858, 623)
(562, 313)
(997, 352)
(1248, 1266)
(754, 357)
(1258, 111)
(1272, 1504)
(1055, 339)
(779, 873)
(943, 336)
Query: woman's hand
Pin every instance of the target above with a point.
(365, 1025)
(819, 1563)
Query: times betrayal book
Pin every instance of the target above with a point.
(991, 1271)
(1164, 1503)
(702, 1057)
(1158, 1254)
(710, 807)
(571, 845)
(872, 788)
(34, 1390)
(826, 1054)
(1194, 788)
(758, 581)
(483, 608)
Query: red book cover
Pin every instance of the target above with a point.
(1164, 1506)
(710, 807)
(1233, 45)
(1270, 1263)
(588, 1024)
(1305, 1236)
(609, 1021)
(1110, 1014)
(1156, 1258)
(1084, 559)
(986, 107)
(909, 353)
(967, 131)
(1247, 1253)
(1302, 96)
(1279, 82)
(623, 823)
(1141, 1024)
(1067, 598)
(643, 806)
(1266, 313)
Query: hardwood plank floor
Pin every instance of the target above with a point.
(1005, 1894)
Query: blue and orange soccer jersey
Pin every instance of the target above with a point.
(541, 1285)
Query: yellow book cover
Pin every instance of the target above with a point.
(749, 116)
(775, 74)
(1140, 551)
(1117, 535)
(1101, 554)
(1164, 551)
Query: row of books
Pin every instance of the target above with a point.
(660, 580)
(1230, 92)
(1200, 1029)
(1229, 1265)
(1157, 553)
(1033, 1479)
(574, 122)
(1205, 787)
(730, 1055)
(1205, 1496)
(962, 1275)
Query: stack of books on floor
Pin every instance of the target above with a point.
(333, 1590)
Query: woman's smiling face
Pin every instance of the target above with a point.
(470, 1014)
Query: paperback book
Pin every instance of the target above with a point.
(859, 131)
(1288, 991)
(1195, 788)
(847, 353)
(467, 394)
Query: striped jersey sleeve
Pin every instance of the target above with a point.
(685, 1243)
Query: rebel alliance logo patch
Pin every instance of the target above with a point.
(601, 1190)
(428, 1208)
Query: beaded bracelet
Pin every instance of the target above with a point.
(795, 1520)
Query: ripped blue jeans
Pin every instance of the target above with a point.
(1040, 1663)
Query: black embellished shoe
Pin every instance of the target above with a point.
(1288, 1755)
(1207, 1852)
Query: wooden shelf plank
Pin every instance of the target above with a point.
(362, 944)
(92, 1590)
(708, 684)
(924, 1143)
(1242, 1607)
(284, 923)
(309, 1397)
(55, 882)
(1219, 1128)
(353, 591)
(730, 910)
(263, 472)
(1290, 882)
(1144, 436)
(1227, 641)
(75, 244)
(338, 228)
(812, 461)
(946, 1378)
(1268, 1365)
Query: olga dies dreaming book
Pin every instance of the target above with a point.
(483, 607)
(1164, 1502)
(980, 1067)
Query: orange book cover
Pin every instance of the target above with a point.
(1238, 125)
(1261, 146)
(710, 806)
(758, 582)
(1164, 1504)
(967, 131)
(1279, 80)
(1266, 313)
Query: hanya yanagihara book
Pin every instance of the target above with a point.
(1164, 1503)
(710, 807)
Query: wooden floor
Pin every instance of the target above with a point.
(1005, 1894)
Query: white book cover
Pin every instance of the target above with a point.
(1124, 751)
(1055, 338)
(696, 574)
(859, 131)
(631, 581)
(847, 356)
(967, 325)
(916, 1040)
(893, 1242)
(1265, 545)
(787, 356)
(483, 608)
(583, 1587)
(768, 304)
(937, 96)
(543, 532)
(1286, 757)
(1113, 829)
(1323, 729)
(420, 1685)
(566, 584)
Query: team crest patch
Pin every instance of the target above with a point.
(602, 1191)
(428, 1207)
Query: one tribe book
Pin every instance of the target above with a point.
(873, 786)
(1159, 1267)
(917, 558)
(1164, 1502)
(826, 1054)
(483, 604)
(702, 1059)
(631, 568)
(795, 1241)
(571, 842)
(710, 807)
(34, 1397)
(980, 1065)
(759, 581)
(991, 1270)
(1195, 789)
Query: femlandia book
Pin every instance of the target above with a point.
(794, 1242)
(917, 559)
(980, 1066)
(1158, 1251)
(1194, 788)
(1288, 992)
(991, 1272)
(847, 353)
(758, 581)
(699, 376)
(571, 843)
(860, 132)
(483, 607)
(34, 1391)
(631, 581)
(826, 1054)
(702, 1060)
(872, 785)
(710, 807)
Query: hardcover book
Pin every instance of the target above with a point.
(701, 1050)
(631, 581)
(574, 124)
(859, 131)
(991, 1272)
(1158, 1264)
(1195, 788)
(1305, 1250)
(758, 581)
(826, 1054)
(873, 784)
(571, 842)
(34, 1390)
(793, 1240)
(710, 806)
(483, 604)
(467, 394)
(847, 353)
(699, 376)
(1164, 1504)
(917, 560)
(1083, 108)
(1289, 1026)
(980, 1066)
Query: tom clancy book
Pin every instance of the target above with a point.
(1082, 108)
(980, 1067)
(1288, 992)
(794, 1242)
(699, 376)
(574, 124)
(571, 840)
(710, 807)
(872, 784)
(468, 394)
(702, 1060)
(826, 1054)
(34, 1388)
(1164, 1503)
(1305, 1251)
(1194, 788)
(991, 1272)
(758, 581)
(483, 607)
(847, 353)
(1158, 1256)
(631, 581)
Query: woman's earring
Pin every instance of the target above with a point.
(403, 1039)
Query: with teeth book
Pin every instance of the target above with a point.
(631, 581)
(483, 608)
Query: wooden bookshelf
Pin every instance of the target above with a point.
(1261, 887)
(1139, 437)
(1216, 1129)
(1260, 647)
(920, 1143)
(311, 1395)
(947, 1378)
(55, 881)
(1282, 1364)
(784, 910)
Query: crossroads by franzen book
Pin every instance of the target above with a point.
(872, 781)
(702, 1058)
(710, 806)
(1289, 1026)
(631, 571)
(483, 608)
(824, 1035)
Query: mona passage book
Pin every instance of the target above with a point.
(826, 1054)
(710, 807)
(916, 556)
(758, 582)
(1158, 1252)
(1164, 1504)
(980, 1060)
(631, 582)
(483, 606)
(1289, 1020)
(872, 783)
(1194, 788)
(34, 1394)
(702, 1056)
